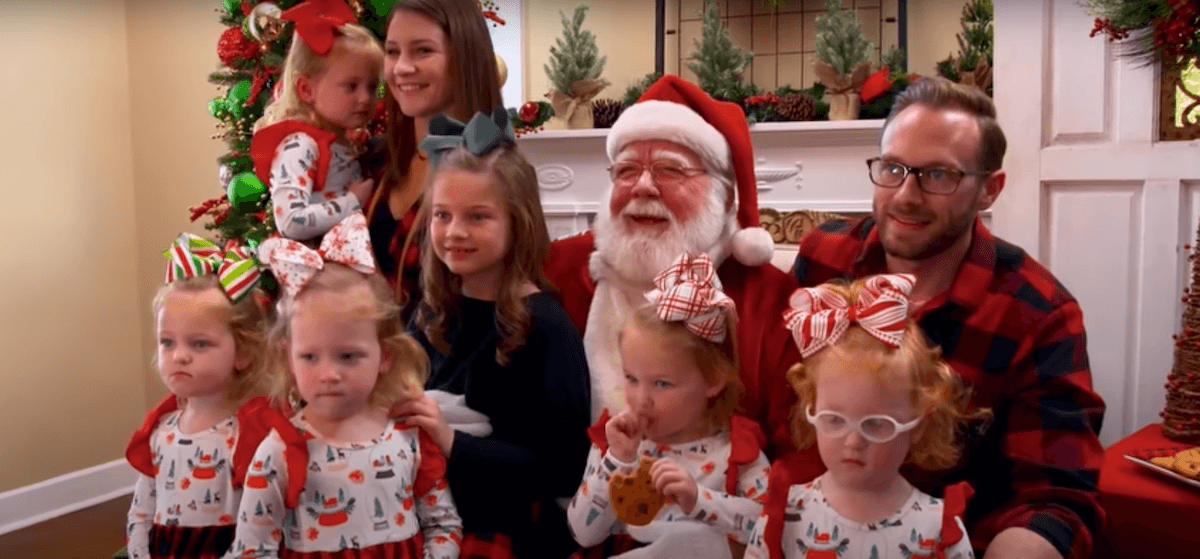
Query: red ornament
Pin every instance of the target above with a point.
(234, 46)
(529, 112)
(877, 84)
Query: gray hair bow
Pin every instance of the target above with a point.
(481, 135)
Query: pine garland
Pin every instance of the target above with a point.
(840, 39)
(719, 63)
(1150, 30)
(575, 55)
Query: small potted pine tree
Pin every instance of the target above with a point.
(843, 59)
(574, 71)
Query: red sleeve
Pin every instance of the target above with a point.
(431, 468)
(256, 420)
(954, 504)
(567, 269)
(746, 440)
(252, 429)
(265, 141)
(138, 451)
(596, 431)
(793, 468)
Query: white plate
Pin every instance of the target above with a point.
(1164, 471)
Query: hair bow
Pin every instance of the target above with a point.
(317, 22)
(820, 315)
(192, 256)
(689, 291)
(294, 264)
(480, 135)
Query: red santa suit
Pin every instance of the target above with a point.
(598, 302)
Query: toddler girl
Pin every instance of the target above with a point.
(681, 386)
(873, 395)
(194, 447)
(341, 479)
(300, 146)
(499, 339)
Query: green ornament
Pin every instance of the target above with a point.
(246, 28)
(381, 7)
(233, 6)
(218, 108)
(245, 189)
(239, 93)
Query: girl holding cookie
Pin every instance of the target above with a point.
(873, 395)
(678, 472)
(500, 343)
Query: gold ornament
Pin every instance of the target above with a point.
(502, 68)
(266, 22)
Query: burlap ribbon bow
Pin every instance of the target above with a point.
(192, 256)
(581, 93)
(820, 316)
(689, 291)
(294, 264)
(835, 82)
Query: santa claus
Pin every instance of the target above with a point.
(682, 181)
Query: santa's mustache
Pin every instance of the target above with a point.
(648, 208)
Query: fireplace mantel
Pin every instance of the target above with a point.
(816, 165)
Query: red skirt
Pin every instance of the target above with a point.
(480, 545)
(412, 548)
(616, 544)
(190, 542)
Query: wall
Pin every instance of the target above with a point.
(624, 32)
(72, 382)
(932, 26)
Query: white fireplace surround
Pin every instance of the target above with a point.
(819, 165)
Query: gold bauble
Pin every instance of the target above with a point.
(502, 68)
(265, 22)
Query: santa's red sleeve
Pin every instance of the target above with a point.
(567, 269)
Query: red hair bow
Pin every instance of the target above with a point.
(689, 291)
(820, 316)
(317, 22)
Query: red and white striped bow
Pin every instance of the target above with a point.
(294, 264)
(820, 316)
(689, 291)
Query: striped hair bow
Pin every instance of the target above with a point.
(294, 264)
(689, 291)
(192, 256)
(317, 22)
(820, 316)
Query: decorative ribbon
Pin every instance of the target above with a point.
(820, 316)
(294, 264)
(581, 92)
(689, 291)
(192, 256)
(836, 83)
(317, 22)
(480, 135)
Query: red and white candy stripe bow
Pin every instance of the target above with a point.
(689, 291)
(820, 316)
(294, 264)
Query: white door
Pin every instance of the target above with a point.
(1094, 196)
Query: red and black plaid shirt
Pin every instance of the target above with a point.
(1015, 335)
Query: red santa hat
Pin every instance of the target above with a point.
(676, 110)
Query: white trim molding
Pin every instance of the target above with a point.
(29, 505)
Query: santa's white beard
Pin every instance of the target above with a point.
(639, 256)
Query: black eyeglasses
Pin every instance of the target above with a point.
(934, 179)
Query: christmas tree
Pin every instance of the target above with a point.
(575, 55)
(973, 62)
(719, 63)
(840, 39)
(1181, 414)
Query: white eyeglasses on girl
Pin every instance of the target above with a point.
(874, 428)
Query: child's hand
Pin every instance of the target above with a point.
(674, 482)
(624, 432)
(425, 413)
(362, 191)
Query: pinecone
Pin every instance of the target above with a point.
(797, 106)
(605, 112)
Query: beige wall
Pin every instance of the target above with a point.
(932, 26)
(107, 143)
(624, 32)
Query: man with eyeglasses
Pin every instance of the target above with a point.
(1003, 321)
(682, 181)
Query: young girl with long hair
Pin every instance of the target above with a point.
(874, 395)
(341, 479)
(438, 58)
(194, 447)
(499, 339)
(300, 145)
(681, 388)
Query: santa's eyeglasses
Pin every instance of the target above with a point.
(662, 172)
(875, 428)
